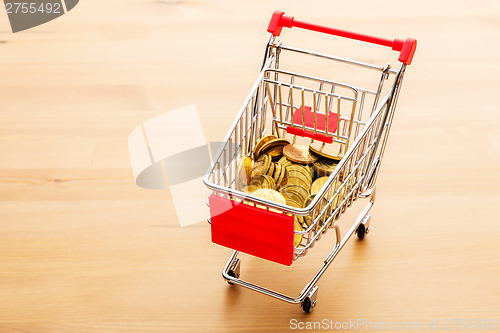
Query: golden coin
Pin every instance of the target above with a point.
(278, 169)
(259, 181)
(339, 198)
(292, 180)
(270, 195)
(270, 171)
(307, 220)
(249, 189)
(307, 171)
(261, 165)
(269, 161)
(284, 161)
(302, 192)
(258, 166)
(243, 171)
(309, 199)
(292, 202)
(295, 174)
(284, 174)
(324, 166)
(269, 181)
(276, 153)
(316, 210)
(299, 190)
(297, 238)
(295, 181)
(262, 181)
(296, 169)
(318, 184)
(302, 175)
(294, 198)
(274, 143)
(325, 150)
(260, 143)
(298, 154)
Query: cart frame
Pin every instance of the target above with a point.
(366, 117)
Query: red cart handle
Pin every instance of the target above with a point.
(406, 47)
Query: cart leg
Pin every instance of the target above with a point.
(364, 224)
(232, 268)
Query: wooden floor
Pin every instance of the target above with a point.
(83, 249)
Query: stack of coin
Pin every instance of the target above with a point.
(284, 161)
(271, 146)
(289, 174)
(261, 142)
(324, 166)
(260, 182)
(280, 174)
(295, 188)
(264, 166)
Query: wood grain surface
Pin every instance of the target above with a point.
(83, 249)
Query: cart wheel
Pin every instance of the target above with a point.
(310, 301)
(232, 274)
(360, 232)
(306, 305)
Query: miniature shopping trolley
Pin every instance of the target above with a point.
(345, 112)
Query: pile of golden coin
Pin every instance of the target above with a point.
(286, 173)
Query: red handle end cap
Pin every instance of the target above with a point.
(278, 21)
(274, 25)
(409, 48)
